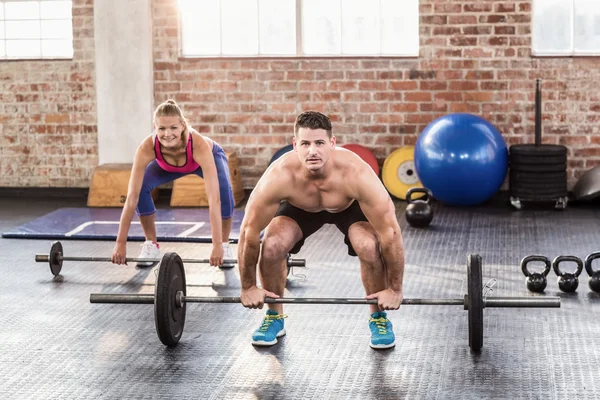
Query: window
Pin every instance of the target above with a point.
(36, 29)
(566, 27)
(291, 28)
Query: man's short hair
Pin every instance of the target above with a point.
(313, 120)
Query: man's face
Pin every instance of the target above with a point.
(314, 147)
(169, 131)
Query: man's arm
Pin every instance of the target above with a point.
(379, 209)
(260, 209)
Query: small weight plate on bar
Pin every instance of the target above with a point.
(55, 258)
(475, 302)
(168, 316)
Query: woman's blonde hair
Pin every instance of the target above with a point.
(170, 108)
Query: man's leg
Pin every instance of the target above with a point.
(280, 237)
(372, 269)
(365, 244)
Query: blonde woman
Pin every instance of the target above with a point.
(172, 151)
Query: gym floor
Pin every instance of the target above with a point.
(55, 344)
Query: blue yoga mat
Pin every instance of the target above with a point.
(172, 225)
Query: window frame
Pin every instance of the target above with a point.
(556, 54)
(41, 39)
(299, 50)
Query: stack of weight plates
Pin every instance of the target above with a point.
(538, 173)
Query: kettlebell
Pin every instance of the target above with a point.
(536, 281)
(419, 212)
(594, 281)
(567, 281)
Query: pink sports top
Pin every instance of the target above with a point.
(189, 166)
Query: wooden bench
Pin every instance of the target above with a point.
(109, 186)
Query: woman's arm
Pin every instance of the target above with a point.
(143, 156)
(203, 155)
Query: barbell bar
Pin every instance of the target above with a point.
(170, 300)
(496, 302)
(55, 259)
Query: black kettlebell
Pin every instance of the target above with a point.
(567, 281)
(419, 212)
(536, 281)
(594, 281)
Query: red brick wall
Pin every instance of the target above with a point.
(475, 57)
(48, 133)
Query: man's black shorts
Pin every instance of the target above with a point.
(310, 222)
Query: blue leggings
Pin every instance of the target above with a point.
(155, 176)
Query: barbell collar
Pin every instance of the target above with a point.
(519, 302)
(296, 262)
(106, 298)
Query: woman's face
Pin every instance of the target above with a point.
(169, 131)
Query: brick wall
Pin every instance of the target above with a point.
(48, 133)
(475, 57)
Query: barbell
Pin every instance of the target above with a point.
(170, 299)
(55, 259)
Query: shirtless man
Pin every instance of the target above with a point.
(317, 184)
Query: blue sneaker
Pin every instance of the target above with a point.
(270, 329)
(382, 332)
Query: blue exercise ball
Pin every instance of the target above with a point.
(462, 159)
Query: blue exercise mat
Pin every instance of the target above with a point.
(172, 225)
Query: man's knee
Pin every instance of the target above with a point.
(273, 249)
(367, 249)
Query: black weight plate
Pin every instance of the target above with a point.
(538, 185)
(549, 176)
(537, 197)
(542, 150)
(537, 188)
(532, 195)
(538, 168)
(168, 316)
(534, 187)
(55, 258)
(546, 192)
(475, 302)
(540, 182)
(528, 189)
(538, 160)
